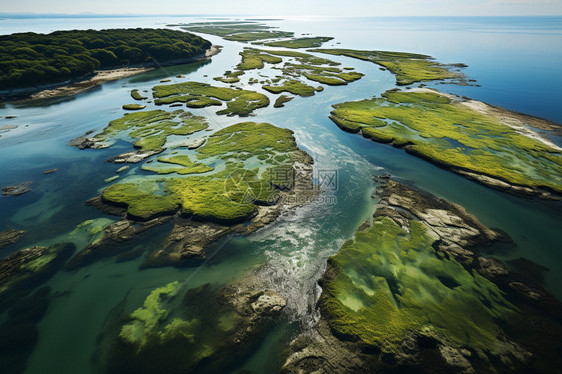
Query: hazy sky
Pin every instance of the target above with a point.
(292, 7)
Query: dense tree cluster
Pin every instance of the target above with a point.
(29, 59)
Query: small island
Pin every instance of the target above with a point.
(32, 62)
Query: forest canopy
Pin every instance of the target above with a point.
(30, 59)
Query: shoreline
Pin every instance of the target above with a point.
(70, 88)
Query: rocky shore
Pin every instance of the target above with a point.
(530, 315)
(190, 236)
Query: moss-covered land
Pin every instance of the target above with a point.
(135, 94)
(230, 77)
(150, 130)
(254, 59)
(388, 283)
(258, 162)
(180, 164)
(312, 42)
(281, 100)
(238, 31)
(408, 67)
(454, 135)
(133, 106)
(307, 66)
(292, 86)
(195, 94)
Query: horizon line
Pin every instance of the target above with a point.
(124, 15)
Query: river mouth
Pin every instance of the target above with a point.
(288, 256)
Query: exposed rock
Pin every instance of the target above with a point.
(10, 236)
(455, 358)
(500, 185)
(320, 352)
(24, 269)
(269, 302)
(196, 143)
(212, 329)
(116, 232)
(18, 189)
(526, 290)
(459, 235)
(7, 128)
(455, 229)
(134, 157)
(83, 141)
(491, 267)
(189, 237)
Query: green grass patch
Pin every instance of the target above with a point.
(230, 77)
(453, 135)
(238, 102)
(133, 106)
(292, 86)
(313, 42)
(149, 130)
(135, 94)
(281, 100)
(229, 195)
(407, 67)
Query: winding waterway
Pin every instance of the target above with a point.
(523, 76)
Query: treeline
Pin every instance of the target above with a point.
(29, 59)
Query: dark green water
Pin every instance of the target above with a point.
(294, 249)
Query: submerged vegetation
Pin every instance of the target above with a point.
(388, 283)
(408, 67)
(195, 94)
(30, 59)
(455, 135)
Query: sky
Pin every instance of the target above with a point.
(292, 7)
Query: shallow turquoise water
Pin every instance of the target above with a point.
(522, 75)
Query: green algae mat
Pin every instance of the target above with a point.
(297, 67)
(456, 135)
(388, 283)
(408, 67)
(150, 130)
(199, 95)
(238, 168)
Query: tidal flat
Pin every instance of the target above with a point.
(187, 240)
